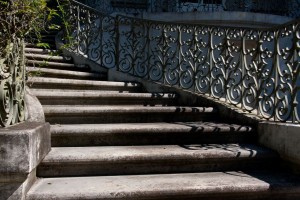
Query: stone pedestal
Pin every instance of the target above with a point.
(22, 147)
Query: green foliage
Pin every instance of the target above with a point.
(63, 6)
(19, 18)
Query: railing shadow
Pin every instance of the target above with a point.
(238, 149)
(215, 127)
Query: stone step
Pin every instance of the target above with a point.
(75, 114)
(229, 185)
(53, 83)
(47, 58)
(149, 133)
(47, 97)
(50, 64)
(124, 160)
(66, 74)
(32, 45)
(41, 51)
(37, 90)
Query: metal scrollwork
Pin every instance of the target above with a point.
(256, 70)
(12, 84)
(93, 34)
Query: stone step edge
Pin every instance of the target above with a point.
(46, 63)
(47, 58)
(40, 51)
(261, 184)
(65, 72)
(186, 127)
(101, 95)
(83, 83)
(64, 110)
(199, 153)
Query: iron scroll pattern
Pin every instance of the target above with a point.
(255, 70)
(12, 84)
(93, 34)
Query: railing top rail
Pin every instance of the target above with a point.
(89, 8)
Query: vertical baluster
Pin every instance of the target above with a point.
(296, 73)
(277, 78)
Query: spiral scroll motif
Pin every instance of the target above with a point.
(12, 84)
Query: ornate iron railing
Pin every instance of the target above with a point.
(289, 8)
(256, 70)
(12, 83)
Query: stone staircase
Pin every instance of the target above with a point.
(113, 140)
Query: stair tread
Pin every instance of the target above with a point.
(50, 63)
(71, 109)
(149, 133)
(37, 90)
(155, 153)
(88, 94)
(81, 82)
(160, 127)
(40, 51)
(63, 72)
(49, 56)
(168, 186)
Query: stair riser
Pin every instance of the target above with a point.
(146, 166)
(108, 117)
(105, 101)
(154, 138)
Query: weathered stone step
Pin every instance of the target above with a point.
(123, 160)
(70, 114)
(149, 133)
(66, 74)
(32, 45)
(53, 83)
(50, 64)
(41, 51)
(76, 90)
(47, 58)
(229, 185)
(47, 97)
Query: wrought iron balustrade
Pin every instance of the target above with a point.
(12, 83)
(256, 70)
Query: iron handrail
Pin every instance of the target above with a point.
(254, 69)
